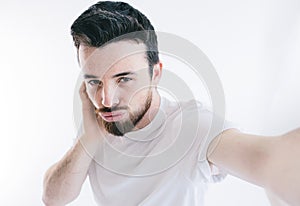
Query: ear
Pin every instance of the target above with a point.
(157, 71)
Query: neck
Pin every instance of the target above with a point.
(152, 111)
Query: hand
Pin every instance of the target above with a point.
(92, 128)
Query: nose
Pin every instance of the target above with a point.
(108, 96)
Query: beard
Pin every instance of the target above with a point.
(119, 128)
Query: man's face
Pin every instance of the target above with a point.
(118, 83)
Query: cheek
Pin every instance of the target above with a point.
(137, 97)
(134, 94)
(138, 88)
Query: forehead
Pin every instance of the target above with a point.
(112, 58)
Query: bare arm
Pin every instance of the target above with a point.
(270, 162)
(284, 169)
(63, 180)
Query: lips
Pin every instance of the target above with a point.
(112, 116)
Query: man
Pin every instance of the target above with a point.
(127, 124)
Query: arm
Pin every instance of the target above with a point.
(270, 162)
(63, 181)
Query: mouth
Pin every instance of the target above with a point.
(112, 116)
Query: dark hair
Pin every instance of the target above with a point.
(108, 20)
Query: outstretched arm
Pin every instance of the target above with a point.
(270, 162)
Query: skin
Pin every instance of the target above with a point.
(263, 160)
(121, 81)
(269, 162)
(64, 179)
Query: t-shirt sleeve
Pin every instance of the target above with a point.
(211, 172)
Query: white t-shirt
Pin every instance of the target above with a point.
(163, 163)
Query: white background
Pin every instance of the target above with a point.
(254, 46)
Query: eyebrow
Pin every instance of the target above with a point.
(90, 76)
(123, 74)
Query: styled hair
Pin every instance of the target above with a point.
(107, 21)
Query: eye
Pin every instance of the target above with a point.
(124, 79)
(94, 82)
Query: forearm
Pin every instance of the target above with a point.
(283, 173)
(63, 181)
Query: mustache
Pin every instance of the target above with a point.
(111, 109)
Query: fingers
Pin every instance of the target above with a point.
(91, 122)
(86, 102)
(82, 92)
